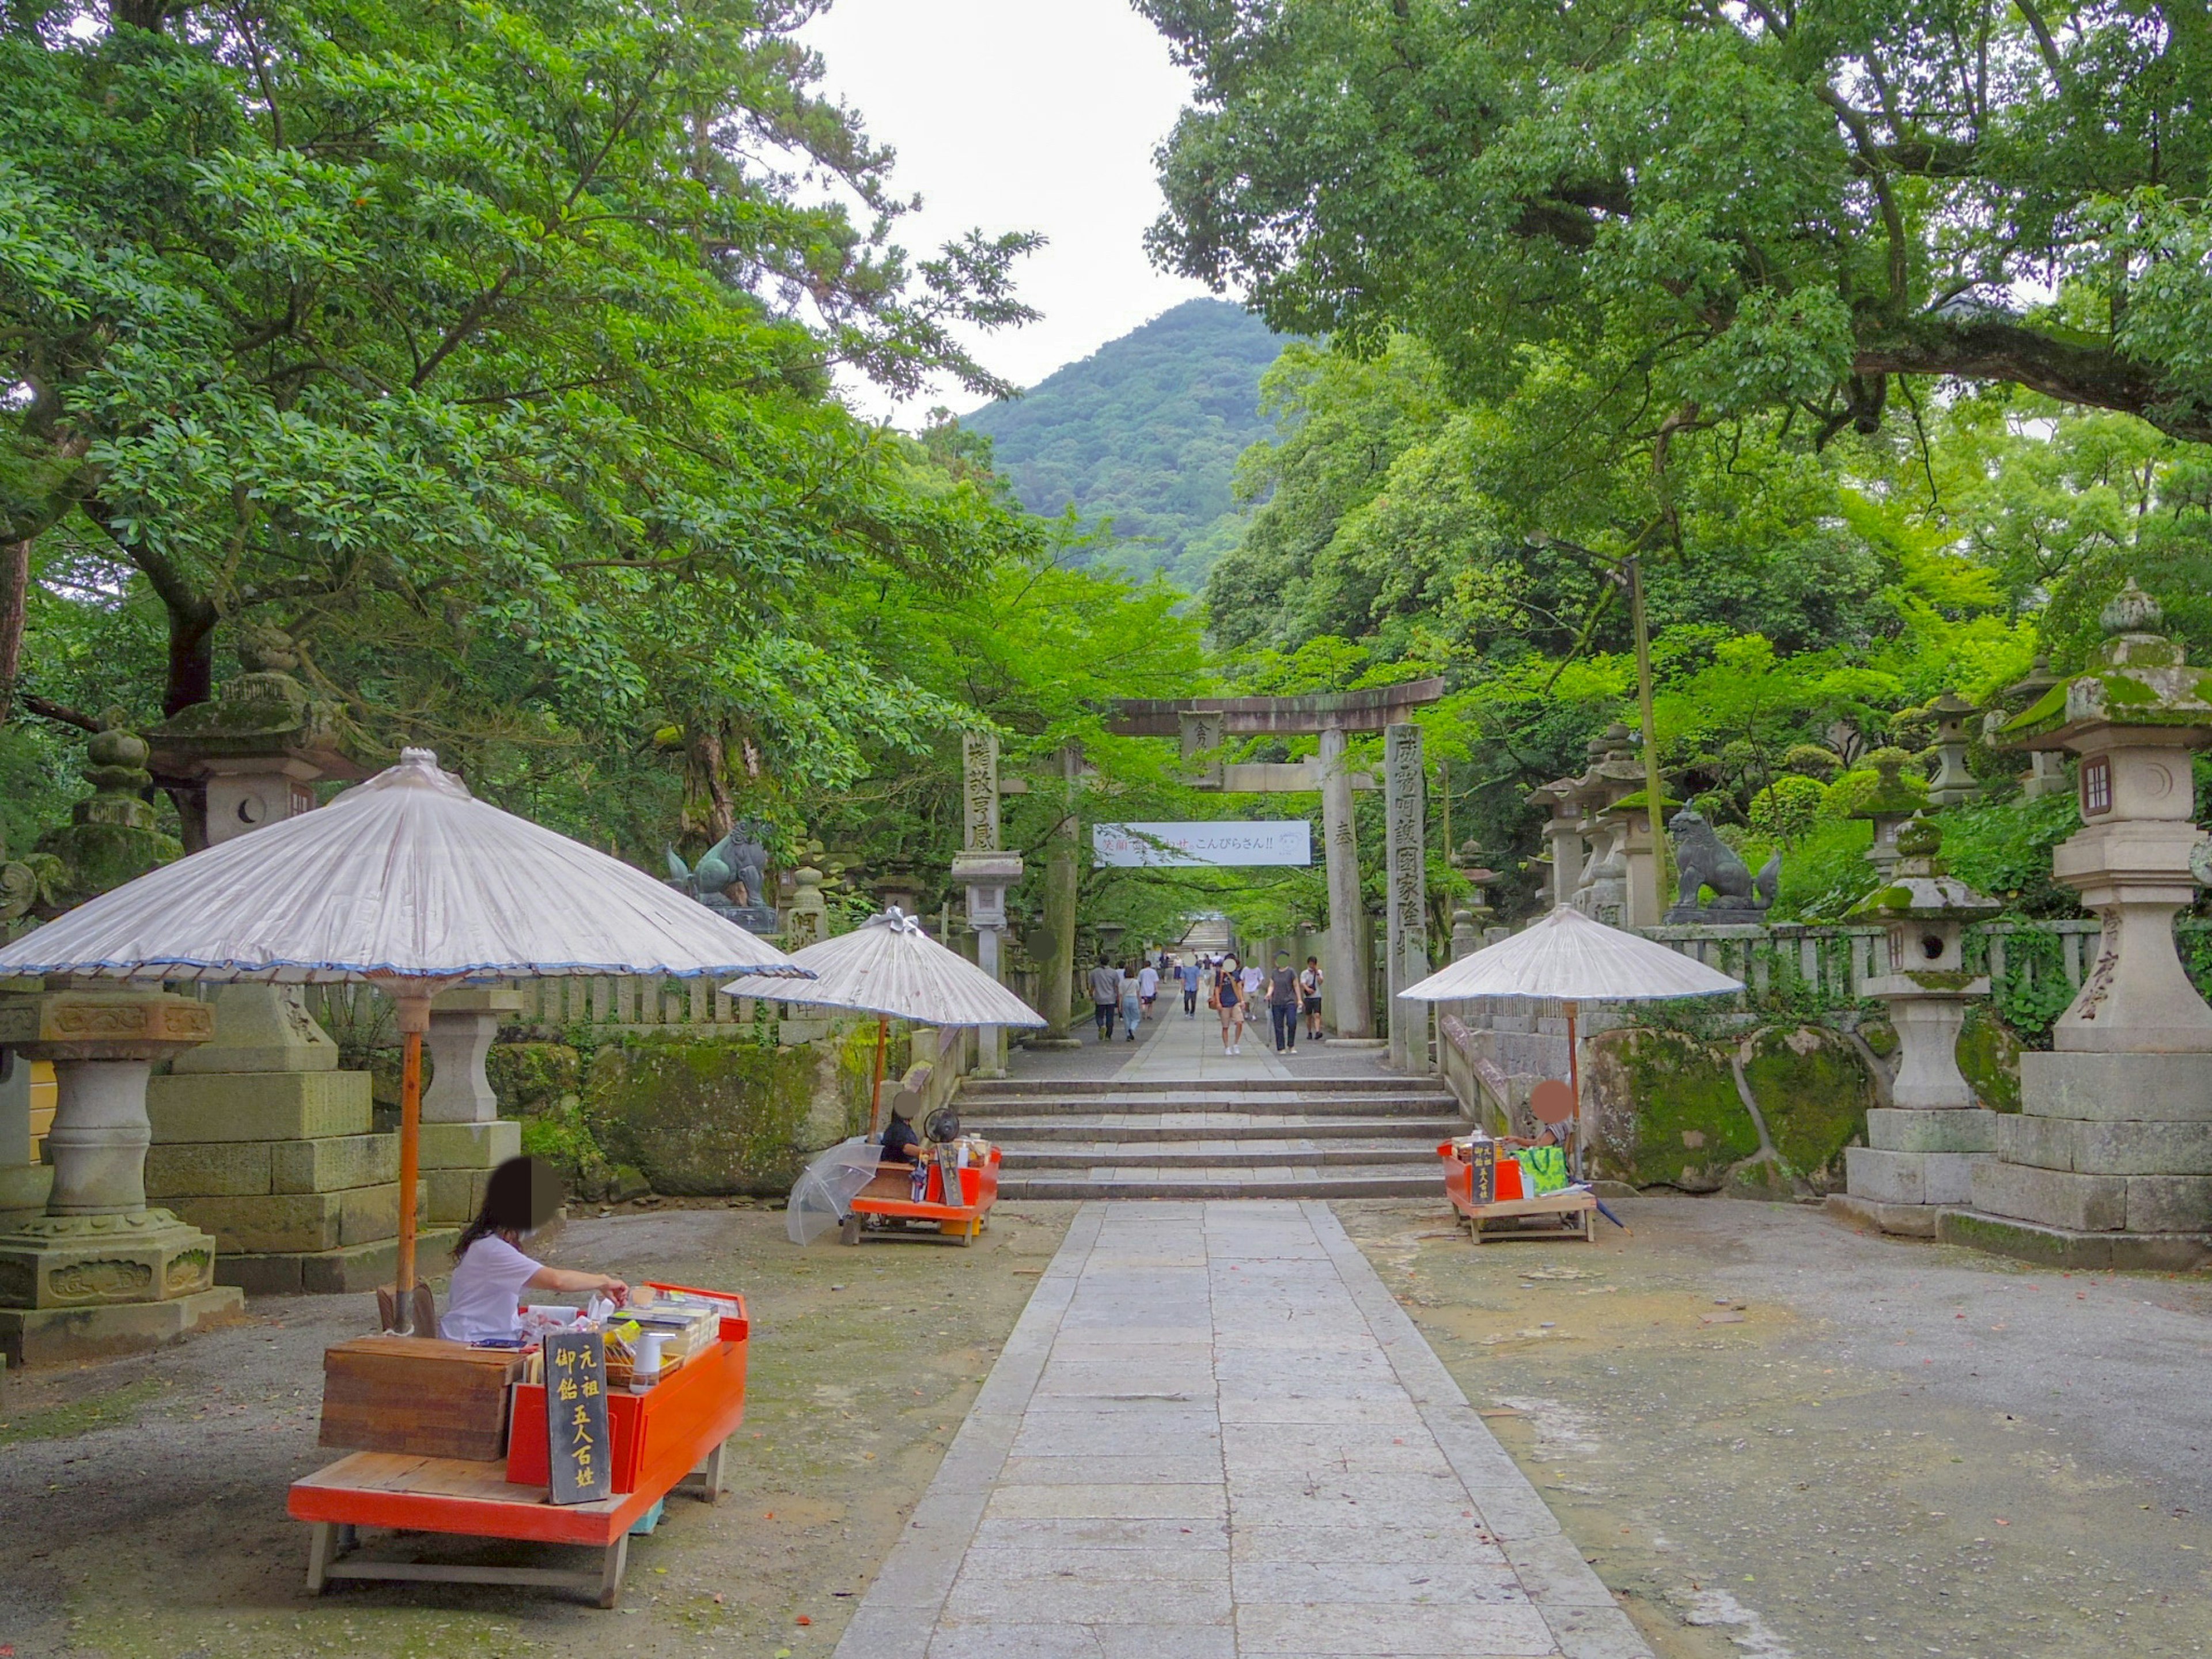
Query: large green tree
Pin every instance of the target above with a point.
(488, 348)
(1776, 204)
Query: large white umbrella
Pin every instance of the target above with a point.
(407, 881)
(1567, 956)
(890, 968)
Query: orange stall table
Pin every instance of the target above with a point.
(890, 1197)
(1575, 1208)
(677, 1428)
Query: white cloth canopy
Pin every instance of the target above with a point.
(404, 877)
(888, 965)
(1568, 956)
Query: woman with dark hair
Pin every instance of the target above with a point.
(490, 1272)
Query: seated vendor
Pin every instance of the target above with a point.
(901, 1144)
(490, 1272)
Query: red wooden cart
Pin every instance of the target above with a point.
(1575, 1208)
(887, 1205)
(677, 1429)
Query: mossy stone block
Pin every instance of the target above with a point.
(1814, 1090)
(1669, 1112)
(527, 1077)
(1988, 1059)
(716, 1114)
(272, 1221)
(258, 1106)
(215, 1169)
(469, 1146)
(333, 1163)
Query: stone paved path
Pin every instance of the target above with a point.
(1188, 1048)
(1213, 1433)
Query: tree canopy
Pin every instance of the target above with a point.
(1716, 209)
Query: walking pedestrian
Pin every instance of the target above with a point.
(1283, 1003)
(1105, 996)
(1254, 982)
(1309, 996)
(1190, 973)
(1133, 1006)
(1228, 998)
(1148, 987)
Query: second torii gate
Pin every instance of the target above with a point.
(1203, 724)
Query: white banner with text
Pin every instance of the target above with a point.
(1283, 840)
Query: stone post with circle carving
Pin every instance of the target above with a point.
(2109, 1162)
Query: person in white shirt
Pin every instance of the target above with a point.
(1309, 996)
(490, 1272)
(1148, 987)
(1254, 980)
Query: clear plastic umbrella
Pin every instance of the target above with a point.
(823, 1196)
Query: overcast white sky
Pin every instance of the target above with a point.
(1021, 115)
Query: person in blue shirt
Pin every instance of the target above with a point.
(1190, 972)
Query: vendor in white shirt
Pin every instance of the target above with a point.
(490, 1272)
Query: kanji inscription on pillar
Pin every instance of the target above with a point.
(979, 792)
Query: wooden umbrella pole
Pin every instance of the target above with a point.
(1574, 1084)
(876, 1099)
(414, 1020)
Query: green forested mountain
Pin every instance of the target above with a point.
(1146, 431)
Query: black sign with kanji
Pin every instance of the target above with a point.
(580, 1450)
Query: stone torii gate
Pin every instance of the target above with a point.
(1204, 724)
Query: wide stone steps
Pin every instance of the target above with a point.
(1235, 1138)
(1247, 1154)
(1171, 1126)
(1228, 1181)
(1284, 1104)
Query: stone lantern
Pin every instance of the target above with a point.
(259, 1135)
(2046, 773)
(1953, 784)
(1892, 804)
(1922, 1147)
(100, 1273)
(987, 876)
(2109, 1163)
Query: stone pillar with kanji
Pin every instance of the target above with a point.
(2109, 1162)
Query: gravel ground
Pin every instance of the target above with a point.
(1775, 1436)
(141, 1501)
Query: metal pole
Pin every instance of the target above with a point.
(1574, 1084)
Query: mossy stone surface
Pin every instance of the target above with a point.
(704, 1116)
(527, 1077)
(1814, 1090)
(1668, 1111)
(1989, 1058)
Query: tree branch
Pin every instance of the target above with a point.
(1997, 347)
(59, 712)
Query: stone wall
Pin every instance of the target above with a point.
(691, 1112)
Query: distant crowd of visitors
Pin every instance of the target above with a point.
(1232, 990)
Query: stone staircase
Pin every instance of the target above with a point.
(1239, 1138)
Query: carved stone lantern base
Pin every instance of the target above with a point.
(100, 1273)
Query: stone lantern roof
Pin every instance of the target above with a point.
(263, 712)
(2137, 677)
(1920, 886)
(1892, 796)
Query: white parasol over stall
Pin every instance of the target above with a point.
(1568, 958)
(890, 968)
(406, 882)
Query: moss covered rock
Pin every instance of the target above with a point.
(1814, 1090)
(1988, 1057)
(716, 1114)
(528, 1077)
(1666, 1111)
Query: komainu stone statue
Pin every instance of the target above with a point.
(1704, 860)
(738, 861)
